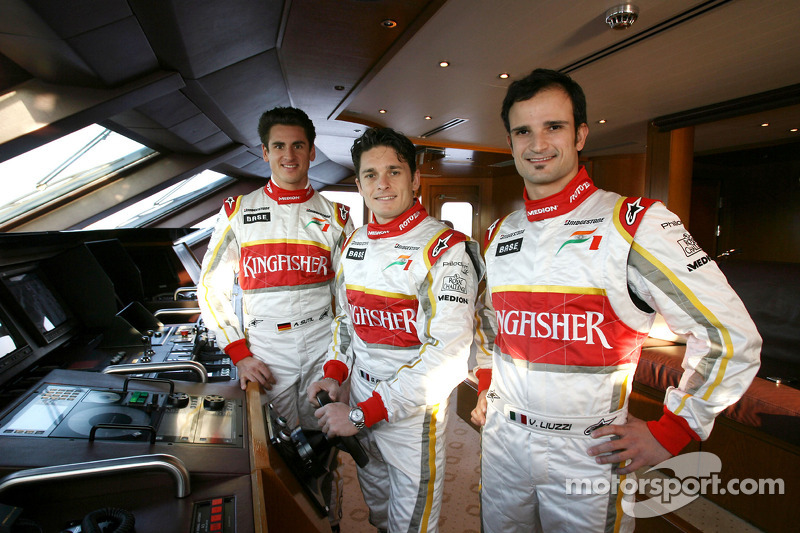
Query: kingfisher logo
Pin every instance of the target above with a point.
(580, 237)
(321, 222)
(402, 260)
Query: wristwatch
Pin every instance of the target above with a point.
(357, 418)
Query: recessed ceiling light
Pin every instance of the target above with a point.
(382, 111)
(764, 125)
(428, 117)
(444, 64)
(793, 130)
(339, 87)
(601, 121)
(503, 75)
(388, 23)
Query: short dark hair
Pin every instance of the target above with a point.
(539, 80)
(384, 137)
(287, 116)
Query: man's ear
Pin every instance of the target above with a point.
(313, 153)
(580, 136)
(265, 152)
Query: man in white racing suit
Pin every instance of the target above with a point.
(407, 284)
(573, 281)
(277, 242)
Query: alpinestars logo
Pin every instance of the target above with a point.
(603, 422)
(401, 260)
(441, 246)
(579, 237)
(633, 211)
(319, 222)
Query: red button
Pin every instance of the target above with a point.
(217, 509)
(216, 517)
(216, 527)
(217, 501)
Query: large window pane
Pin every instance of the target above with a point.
(60, 167)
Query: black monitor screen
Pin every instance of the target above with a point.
(33, 296)
(8, 343)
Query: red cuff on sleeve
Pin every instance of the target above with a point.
(484, 376)
(672, 431)
(336, 370)
(238, 350)
(374, 410)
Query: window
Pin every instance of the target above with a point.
(164, 201)
(49, 172)
(352, 200)
(460, 214)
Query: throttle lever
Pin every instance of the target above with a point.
(350, 443)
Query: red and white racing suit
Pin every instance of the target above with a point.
(561, 337)
(404, 339)
(278, 244)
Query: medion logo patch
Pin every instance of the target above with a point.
(356, 253)
(510, 247)
(260, 217)
(697, 264)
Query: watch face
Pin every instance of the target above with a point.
(356, 415)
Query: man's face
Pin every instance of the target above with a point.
(543, 141)
(289, 156)
(386, 183)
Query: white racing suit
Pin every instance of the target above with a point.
(561, 336)
(278, 244)
(404, 339)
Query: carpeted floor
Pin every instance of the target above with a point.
(460, 507)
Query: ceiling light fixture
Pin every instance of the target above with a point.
(601, 121)
(444, 64)
(428, 117)
(622, 16)
(793, 130)
(503, 75)
(764, 125)
(382, 111)
(388, 23)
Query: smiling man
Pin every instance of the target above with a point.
(574, 281)
(277, 242)
(407, 285)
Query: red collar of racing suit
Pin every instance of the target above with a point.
(283, 196)
(576, 191)
(402, 224)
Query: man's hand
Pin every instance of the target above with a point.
(478, 415)
(330, 385)
(334, 419)
(635, 443)
(254, 369)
